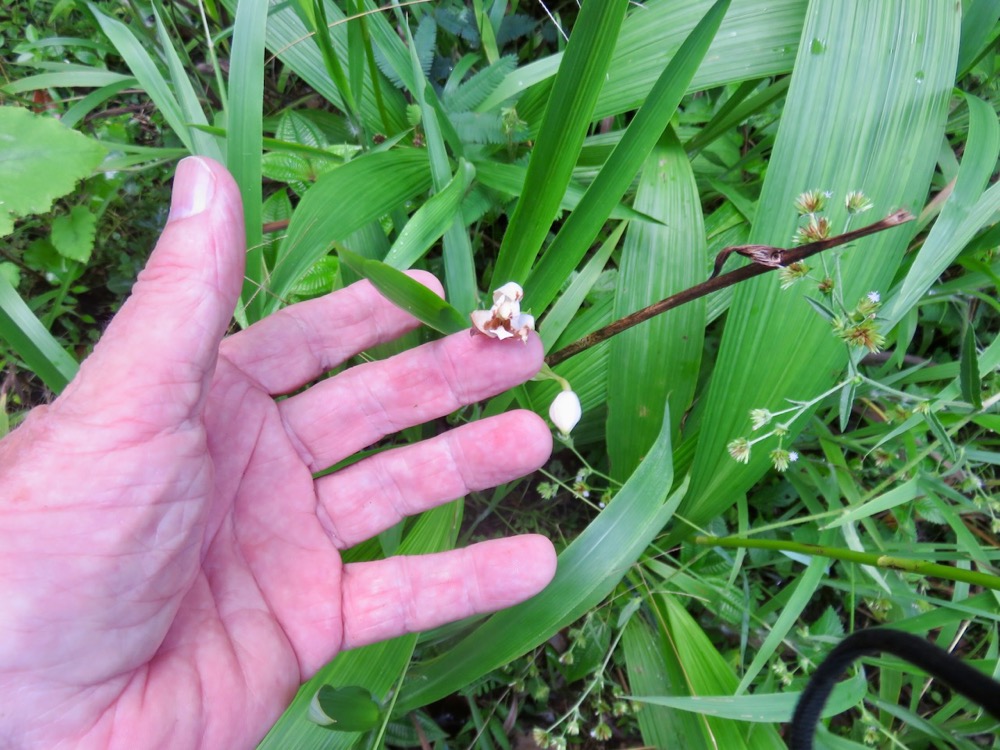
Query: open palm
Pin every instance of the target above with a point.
(169, 569)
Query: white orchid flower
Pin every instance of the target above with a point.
(505, 319)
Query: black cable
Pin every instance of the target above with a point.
(959, 676)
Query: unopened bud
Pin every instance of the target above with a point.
(565, 411)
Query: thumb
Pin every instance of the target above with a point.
(158, 354)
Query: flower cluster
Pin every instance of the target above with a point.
(855, 327)
(858, 327)
(504, 320)
(810, 205)
(740, 448)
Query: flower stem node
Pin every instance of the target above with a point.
(504, 320)
(565, 411)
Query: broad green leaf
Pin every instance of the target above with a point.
(646, 127)
(660, 359)
(340, 203)
(41, 160)
(879, 134)
(562, 313)
(509, 179)
(185, 96)
(68, 79)
(407, 294)
(288, 37)
(564, 126)
(979, 21)
(76, 113)
(431, 220)
(73, 234)
(588, 569)
(972, 387)
(459, 265)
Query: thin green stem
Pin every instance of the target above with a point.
(920, 567)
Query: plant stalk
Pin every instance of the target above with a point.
(766, 258)
(874, 559)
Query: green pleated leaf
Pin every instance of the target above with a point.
(661, 357)
(647, 675)
(340, 203)
(880, 130)
(588, 569)
(967, 209)
(407, 294)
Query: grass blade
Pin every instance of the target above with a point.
(407, 294)
(26, 335)
(564, 126)
(972, 385)
(244, 143)
(331, 211)
(649, 123)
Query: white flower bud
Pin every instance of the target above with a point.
(565, 411)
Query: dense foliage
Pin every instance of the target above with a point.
(755, 474)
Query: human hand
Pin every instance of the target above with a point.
(169, 569)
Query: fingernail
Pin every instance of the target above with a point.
(194, 186)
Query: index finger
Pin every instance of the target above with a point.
(296, 345)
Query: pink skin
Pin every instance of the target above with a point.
(169, 570)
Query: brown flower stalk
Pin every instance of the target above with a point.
(765, 258)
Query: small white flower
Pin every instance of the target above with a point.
(565, 411)
(739, 449)
(759, 418)
(874, 297)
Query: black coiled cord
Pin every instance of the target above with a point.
(937, 662)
